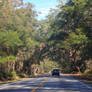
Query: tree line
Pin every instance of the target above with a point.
(63, 39)
(70, 35)
(18, 46)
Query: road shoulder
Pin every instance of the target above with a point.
(81, 78)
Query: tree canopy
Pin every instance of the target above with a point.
(63, 39)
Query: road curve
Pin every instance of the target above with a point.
(47, 84)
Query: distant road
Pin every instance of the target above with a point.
(47, 83)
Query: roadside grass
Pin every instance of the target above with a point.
(13, 78)
(18, 77)
(10, 81)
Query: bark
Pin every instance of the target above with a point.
(77, 68)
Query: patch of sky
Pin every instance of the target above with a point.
(43, 7)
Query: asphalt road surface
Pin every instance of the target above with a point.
(47, 83)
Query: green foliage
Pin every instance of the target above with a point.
(73, 19)
(66, 34)
(3, 75)
(12, 75)
(22, 75)
(2, 3)
(10, 39)
(76, 40)
(66, 66)
(7, 59)
(31, 43)
(48, 65)
(88, 73)
(17, 40)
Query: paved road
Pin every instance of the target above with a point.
(47, 83)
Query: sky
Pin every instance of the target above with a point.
(43, 6)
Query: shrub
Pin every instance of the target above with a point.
(3, 76)
(22, 75)
(12, 75)
(88, 73)
(7, 58)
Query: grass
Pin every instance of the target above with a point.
(10, 81)
(18, 78)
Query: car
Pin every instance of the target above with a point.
(55, 72)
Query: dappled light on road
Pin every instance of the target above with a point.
(49, 83)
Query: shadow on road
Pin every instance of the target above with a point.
(44, 75)
(15, 90)
(64, 84)
(54, 84)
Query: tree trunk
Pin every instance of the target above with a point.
(77, 68)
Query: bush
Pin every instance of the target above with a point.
(3, 76)
(11, 58)
(22, 75)
(88, 73)
(12, 75)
